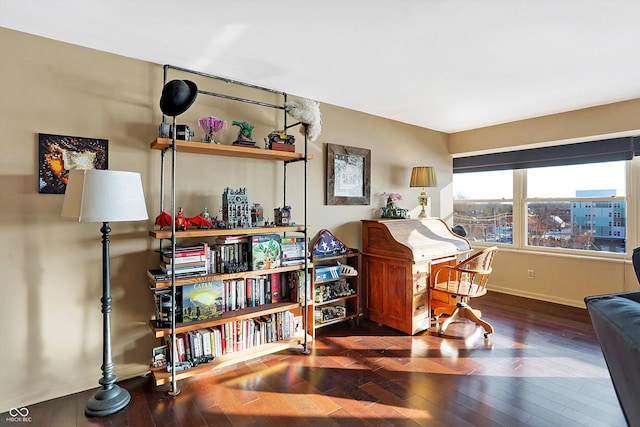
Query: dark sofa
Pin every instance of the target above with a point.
(616, 321)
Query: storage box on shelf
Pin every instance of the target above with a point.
(335, 290)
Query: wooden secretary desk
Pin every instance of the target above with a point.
(399, 258)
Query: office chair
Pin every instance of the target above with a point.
(468, 279)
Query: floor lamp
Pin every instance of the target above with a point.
(105, 196)
(423, 176)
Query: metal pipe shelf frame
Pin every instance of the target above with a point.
(174, 391)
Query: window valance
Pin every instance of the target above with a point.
(605, 150)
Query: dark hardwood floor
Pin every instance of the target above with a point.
(542, 367)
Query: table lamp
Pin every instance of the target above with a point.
(96, 195)
(423, 176)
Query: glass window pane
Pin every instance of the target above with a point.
(483, 185)
(590, 180)
(594, 225)
(485, 222)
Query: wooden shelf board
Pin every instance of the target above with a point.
(227, 150)
(166, 284)
(163, 377)
(333, 321)
(197, 232)
(355, 253)
(318, 304)
(229, 316)
(322, 282)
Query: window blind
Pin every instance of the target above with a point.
(605, 150)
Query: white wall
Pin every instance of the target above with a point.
(562, 279)
(51, 325)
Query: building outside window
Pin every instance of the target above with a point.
(570, 207)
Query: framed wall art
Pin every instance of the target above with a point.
(348, 175)
(58, 154)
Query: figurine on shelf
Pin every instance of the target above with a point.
(211, 126)
(244, 134)
(163, 220)
(279, 140)
(236, 211)
(282, 216)
(181, 222)
(391, 210)
(200, 222)
(257, 215)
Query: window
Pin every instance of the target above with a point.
(572, 207)
(485, 210)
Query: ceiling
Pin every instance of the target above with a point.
(445, 65)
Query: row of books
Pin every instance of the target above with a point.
(231, 254)
(203, 345)
(210, 299)
(188, 260)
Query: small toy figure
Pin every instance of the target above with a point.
(257, 215)
(163, 220)
(205, 214)
(181, 221)
(200, 222)
(279, 140)
(392, 210)
(244, 134)
(282, 215)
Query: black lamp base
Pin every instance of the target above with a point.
(107, 402)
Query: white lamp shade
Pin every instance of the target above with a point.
(97, 195)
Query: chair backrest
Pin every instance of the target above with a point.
(468, 277)
(480, 262)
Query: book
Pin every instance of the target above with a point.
(184, 270)
(206, 342)
(158, 275)
(201, 301)
(184, 264)
(231, 257)
(167, 259)
(275, 287)
(186, 251)
(182, 350)
(225, 240)
(217, 341)
(293, 250)
(267, 289)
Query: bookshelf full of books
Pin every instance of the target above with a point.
(336, 290)
(237, 297)
(228, 293)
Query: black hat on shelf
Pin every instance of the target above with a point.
(177, 97)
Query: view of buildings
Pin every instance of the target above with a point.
(595, 224)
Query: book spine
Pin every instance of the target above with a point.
(168, 270)
(185, 259)
(275, 287)
(186, 253)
